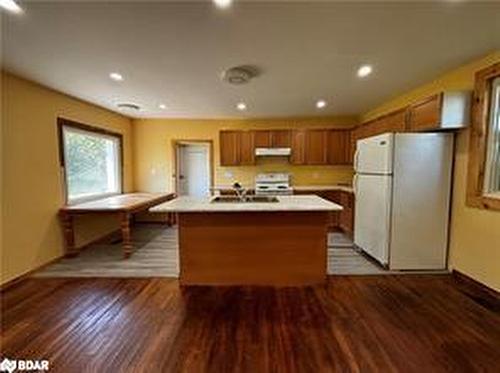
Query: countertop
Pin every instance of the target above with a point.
(305, 188)
(286, 203)
(300, 188)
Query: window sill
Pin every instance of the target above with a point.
(486, 202)
(90, 198)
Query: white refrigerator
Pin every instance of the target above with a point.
(403, 187)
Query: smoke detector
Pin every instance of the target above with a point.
(239, 74)
(129, 106)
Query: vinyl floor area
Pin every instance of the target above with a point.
(411, 323)
(156, 254)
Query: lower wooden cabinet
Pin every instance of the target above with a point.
(346, 219)
(343, 220)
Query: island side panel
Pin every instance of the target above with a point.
(253, 248)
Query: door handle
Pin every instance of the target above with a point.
(356, 156)
(355, 183)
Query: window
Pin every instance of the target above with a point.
(91, 161)
(492, 177)
(483, 177)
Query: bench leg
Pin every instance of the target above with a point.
(69, 235)
(126, 235)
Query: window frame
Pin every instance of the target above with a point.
(492, 152)
(63, 122)
(477, 196)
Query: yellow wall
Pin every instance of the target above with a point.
(475, 233)
(32, 185)
(153, 153)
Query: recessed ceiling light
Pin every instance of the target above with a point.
(11, 6)
(241, 106)
(162, 106)
(222, 3)
(320, 104)
(116, 77)
(364, 71)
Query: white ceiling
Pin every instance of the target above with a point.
(174, 52)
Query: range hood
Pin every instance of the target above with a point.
(263, 152)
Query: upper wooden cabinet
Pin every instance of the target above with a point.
(273, 139)
(281, 138)
(339, 147)
(247, 148)
(316, 147)
(263, 139)
(446, 110)
(394, 122)
(443, 111)
(230, 148)
(425, 115)
(298, 155)
(308, 146)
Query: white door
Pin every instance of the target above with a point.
(374, 155)
(193, 170)
(372, 215)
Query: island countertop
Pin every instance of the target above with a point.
(285, 203)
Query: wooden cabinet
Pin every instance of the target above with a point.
(329, 195)
(394, 122)
(316, 147)
(298, 155)
(247, 148)
(229, 148)
(273, 139)
(443, 111)
(263, 139)
(308, 146)
(237, 148)
(339, 147)
(281, 138)
(346, 218)
(343, 220)
(426, 114)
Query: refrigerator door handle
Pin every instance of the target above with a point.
(356, 156)
(355, 183)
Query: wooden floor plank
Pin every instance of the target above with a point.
(410, 323)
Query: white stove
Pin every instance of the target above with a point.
(273, 183)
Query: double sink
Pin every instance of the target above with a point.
(245, 199)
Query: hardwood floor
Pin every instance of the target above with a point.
(409, 323)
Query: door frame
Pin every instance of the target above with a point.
(176, 143)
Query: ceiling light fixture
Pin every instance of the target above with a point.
(117, 77)
(320, 104)
(241, 106)
(222, 3)
(11, 6)
(162, 106)
(364, 71)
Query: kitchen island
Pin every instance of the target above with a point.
(230, 242)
